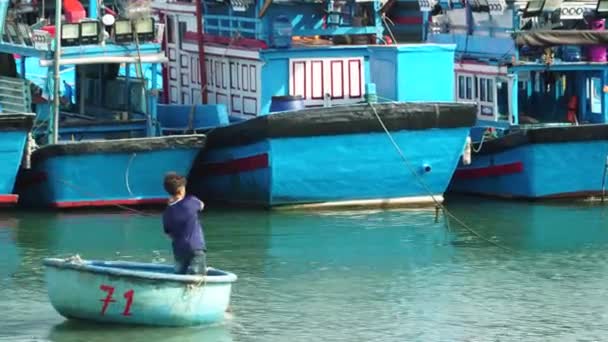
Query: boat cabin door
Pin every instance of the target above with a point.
(183, 77)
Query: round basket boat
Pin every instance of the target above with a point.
(136, 293)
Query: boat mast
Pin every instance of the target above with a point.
(200, 32)
(56, 86)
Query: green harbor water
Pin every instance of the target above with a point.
(341, 276)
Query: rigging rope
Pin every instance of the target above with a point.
(423, 184)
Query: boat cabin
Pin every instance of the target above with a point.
(248, 52)
(97, 100)
(530, 62)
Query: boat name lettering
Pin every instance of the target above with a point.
(128, 295)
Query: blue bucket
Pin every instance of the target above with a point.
(286, 103)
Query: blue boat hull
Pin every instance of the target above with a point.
(332, 170)
(539, 164)
(14, 130)
(136, 293)
(106, 173)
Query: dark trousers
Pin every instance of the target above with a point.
(193, 263)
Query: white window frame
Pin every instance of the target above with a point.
(466, 76)
(484, 102)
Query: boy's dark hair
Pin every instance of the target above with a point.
(173, 182)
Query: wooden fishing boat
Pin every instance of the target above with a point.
(136, 293)
(292, 124)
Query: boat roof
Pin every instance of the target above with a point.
(92, 54)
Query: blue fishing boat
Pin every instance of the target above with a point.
(98, 137)
(99, 173)
(538, 73)
(136, 293)
(294, 105)
(14, 132)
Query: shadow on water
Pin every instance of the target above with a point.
(9, 253)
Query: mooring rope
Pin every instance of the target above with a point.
(423, 183)
(604, 179)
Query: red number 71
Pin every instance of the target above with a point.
(108, 299)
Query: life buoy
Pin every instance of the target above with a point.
(572, 109)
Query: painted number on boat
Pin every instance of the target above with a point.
(128, 295)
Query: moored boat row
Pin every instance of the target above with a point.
(110, 143)
(290, 123)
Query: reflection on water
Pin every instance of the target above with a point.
(9, 255)
(69, 331)
(343, 276)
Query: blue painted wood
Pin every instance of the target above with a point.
(12, 146)
(307, 19)
(177, 119)
(337, 168)
(286, 103)
(392, 70)
(364, 166)
(77, 289)
(248, 188)
(98, 179)
(477, 46)
(566, 169)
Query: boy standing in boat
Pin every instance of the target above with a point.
(181, 224)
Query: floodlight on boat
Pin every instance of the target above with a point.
(534, 8)
(602, 8)
(479, 5)
(108, 19)
(572, 11)
(497, 7)
(144, 28)
(89, 32)
(123, 31)
(425, 5)
(70, 34)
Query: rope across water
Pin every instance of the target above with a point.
(425, 186)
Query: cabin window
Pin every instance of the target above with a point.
(461, 86)
(486, 96)
(595, 95)
(182, 33)
(502, 98)
(490, 90)
(466, 87)
(170, 30)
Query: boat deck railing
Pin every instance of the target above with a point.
(228, 26)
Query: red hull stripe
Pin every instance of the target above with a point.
(9, 199)
(107, 203)
(490, 171)
(259, 161)
(416, 20)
